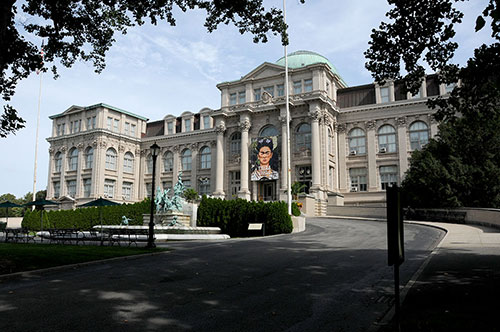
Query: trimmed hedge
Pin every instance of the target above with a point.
(86, 218)
(233, 216)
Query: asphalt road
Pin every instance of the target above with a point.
(332, 277)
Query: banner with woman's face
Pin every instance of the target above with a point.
(265, 153)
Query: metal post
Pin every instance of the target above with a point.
(154, 155)
(287, 96)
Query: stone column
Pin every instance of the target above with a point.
(136, 193)
(371, 155)
(433, 126)
(284, 156)
(402, 147)
(315, 114)
(176, 166)
(95, 169)
(244, 127)
(119, 170)
(50, 188)
(79, 167)
(64, 163)
(219, 177)
(194, 165)
(342, 153)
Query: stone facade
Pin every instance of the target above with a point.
(346, 143)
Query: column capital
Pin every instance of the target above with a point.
(401, 122)
(315, 113)
(220, 128)
(370, 125)
(245, 125)
(341, 127)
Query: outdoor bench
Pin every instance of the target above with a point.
(130, 235)
(63, 235)
(18, 235)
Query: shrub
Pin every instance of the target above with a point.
(86, 218)
(233, 216)
(295, 209)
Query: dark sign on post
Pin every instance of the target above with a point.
(395, 232)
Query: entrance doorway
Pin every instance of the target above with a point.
(267, 191)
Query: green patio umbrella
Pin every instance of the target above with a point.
(100, 202)
(8, 205)
(40, 204)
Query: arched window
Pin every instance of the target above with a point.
(128, 162)
(89, 157)
(235, 143)
(419, 135)
(357, 141)
(168, 162)
(205, 158)
(186, 160)
(57, 162)
(149, 164)
(386, 139)
(303, 137)
(269, 130)
(111, 159)
(73, 159)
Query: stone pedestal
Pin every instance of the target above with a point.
(165, 219)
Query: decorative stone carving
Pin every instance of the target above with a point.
(401, 121)
(51, 151)
(80, 146)
(194, 146)
(432, 119)
(137, 152)
(327, 120)
(282, 119)
(244, 125)
(221, 128)
(63, 148)
(103, 144)
(341, 127)
(176, 148)
(370, 125)
(121, 148)
(95, 143)
(315, 114)
(213, 143)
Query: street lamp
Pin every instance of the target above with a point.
(305, 171)
(155, 150)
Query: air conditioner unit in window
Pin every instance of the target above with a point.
(353, 152)
(383, 150)
(354, 189)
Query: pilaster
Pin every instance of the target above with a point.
(244, 126)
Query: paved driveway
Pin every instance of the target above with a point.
(332, 277)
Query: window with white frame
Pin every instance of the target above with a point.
(58, 132)
(256, 94)
(241, 97)
(205, 158)
(89, 157)
(63, 128)
(116, 124)
(419, 135)
(168, 161)
(71, 185)
(167, 185)
(297, 87)
(111, 159)
(109, 188)
(94, 119)
(308, 85)
(268, 131)
(89, 123)
(388, 176)
(358, 179)
(280, 90)
(234, 183)
(57, 189)
(384, 94)
(73, 159)
(109, 123)
(127, 190)
(58, 162)
(270, 90)
(303, 137)
(127, 128)
(148, 189)
(204, 186)
(87, 183)
(232, 98)
(132, 129)
(128, 162)
(206, 121)
(149, 164)
(187, 182)
(187, 125)
(235, 143)
(386, 139)
(170, 127)
(357, 141)
(186, 160)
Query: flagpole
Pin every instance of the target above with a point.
(37, 127)
(287, 93)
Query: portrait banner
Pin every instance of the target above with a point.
(265, 158)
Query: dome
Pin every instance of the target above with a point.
(300, 59)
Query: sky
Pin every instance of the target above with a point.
(158, 70)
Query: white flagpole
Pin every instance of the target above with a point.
(287, 93)
(37, 127)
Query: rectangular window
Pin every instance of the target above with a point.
(127, 190)
(358, 179)
(86, 187)
(170, 128)
(78, 125)
(270, 90)
(388, 176)
(204, 186)
(256, 94)
(89, 123)
(57, 189)
(384, 94)
(187, 125)
(63, 128)
(280, 89)
(109, 123)
(71, 184)
(93, 122)
(109, 188)
(167, 185)
(58, 130)
(187, 183)
(206, 122)
(148, 190)
(132, 130)
(71, 127)
(116, 124)
(234, 183)
(232, 99)
(241, 97)
(308, 85)
(127, 128)
(297, 87)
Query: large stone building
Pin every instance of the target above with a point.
(347, 143)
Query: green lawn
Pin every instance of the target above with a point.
(17, 257)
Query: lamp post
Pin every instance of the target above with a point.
(305, 171)
(155, 150)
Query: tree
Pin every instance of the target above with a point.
(83, 30)
(461, 167)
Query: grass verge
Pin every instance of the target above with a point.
(20, 257)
